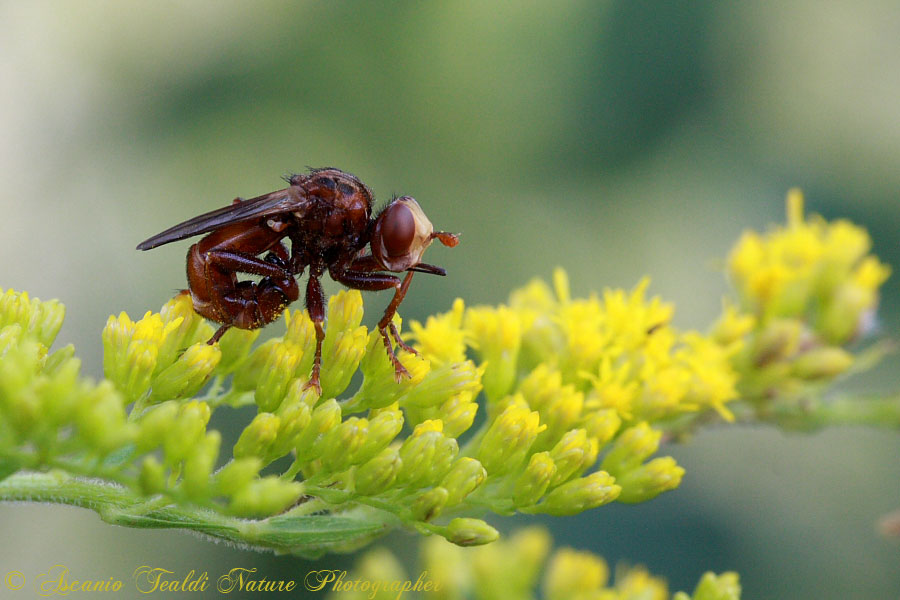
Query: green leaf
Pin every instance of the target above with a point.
(303, 535)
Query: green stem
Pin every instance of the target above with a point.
(215, 388)
(870, 411)
(292, 471)
(397, 509)
(801, 414)
(137, 408)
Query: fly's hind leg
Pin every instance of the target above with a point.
(245, 304)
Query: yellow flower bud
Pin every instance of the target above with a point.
(186, 376)
(573, 455)
(248, 372)
(497, 335)
(822, 363)
(602, 425)
(60, 386)
(154, 425)
(276, 375)
(530, 547)
(384, 426)
(534, 480)
(560, 406)
(458, 414)
(10, 337)
(100, 419)
(344, 343)
(343, 442)
(378, 565)
(649, 480)
(152, 478)
(138, 367)
(726, 586)
(199, 464)
(264, 497)
(131, 351)
(187, 430)
(442, 382)
(341, 358)
(843, 314)
(380, 387)
(178, 311)
(258, 437)
(379, 473)
(464, 477)
(18, 368)
(234, 345)
(579, 495)
(509, 568)
(574, 574)
(732, 326)
(345, 311)
(427, 455)
(638, 583)
(300, 329)
(509, 438)
(311, 442)
(237, 474)
(631, 448)
(779, 339)
(428, 505)
(470, 532)
(40, 319)
(294, 417)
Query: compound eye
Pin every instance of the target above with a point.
(398, 230)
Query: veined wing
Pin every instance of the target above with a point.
(269, 204)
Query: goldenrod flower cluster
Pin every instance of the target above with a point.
(516, 569)
(548, 404)
(570, 381)
(51, 417)
(805, 291)
(559, 398)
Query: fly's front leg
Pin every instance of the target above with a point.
(388, 319)
(315, 305)
(357, 278)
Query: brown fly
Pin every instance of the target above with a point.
(327, 216)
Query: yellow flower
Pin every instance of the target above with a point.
(713, 382)
(613, 387)
(442, 338)
(638, 583)
(732, 326)
(560, 406)
(573, 574)
(131, 351)
(496, 333)
(808, 263)
(42, 319)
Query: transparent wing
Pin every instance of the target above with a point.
(268, 204)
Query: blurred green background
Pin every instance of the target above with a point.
(615, 139)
